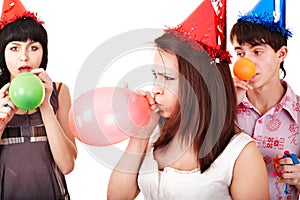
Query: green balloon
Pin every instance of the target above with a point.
(26, 91)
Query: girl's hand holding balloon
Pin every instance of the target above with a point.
(147, 131)
(46, 80)
(7, 108)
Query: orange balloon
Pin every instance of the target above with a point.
(244, 69)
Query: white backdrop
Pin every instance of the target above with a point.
(76, 28)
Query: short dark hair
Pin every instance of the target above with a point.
(22, 29)
(255, 34)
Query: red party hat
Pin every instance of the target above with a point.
(206, 28)
(13, 10)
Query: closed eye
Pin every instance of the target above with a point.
(169, 78)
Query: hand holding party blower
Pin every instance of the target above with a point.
(108, 115)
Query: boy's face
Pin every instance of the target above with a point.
(266, 60)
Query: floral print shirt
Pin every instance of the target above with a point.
(275, 131)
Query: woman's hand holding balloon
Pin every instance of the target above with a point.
(147, 131)
(7, 108)
(42, 74)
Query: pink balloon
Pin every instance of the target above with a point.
(108, 115)
(72, 125)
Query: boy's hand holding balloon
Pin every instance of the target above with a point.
(244, 70)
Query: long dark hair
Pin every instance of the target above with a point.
(22, 29)
(206, 112)
(255, 34)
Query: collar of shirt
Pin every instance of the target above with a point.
(289, 102)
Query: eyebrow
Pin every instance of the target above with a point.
(166, 73)
(159, 73)
(251, 47)
(237, 48)
(14, 43)
(18, 42)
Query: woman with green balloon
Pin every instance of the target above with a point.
(36, 147)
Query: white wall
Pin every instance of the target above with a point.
(76, 28)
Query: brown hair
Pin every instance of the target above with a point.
(206, 112)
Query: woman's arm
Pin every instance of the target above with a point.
(60, 138)
(250, 178)
(123, 180)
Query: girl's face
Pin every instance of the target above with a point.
(165, 90)
(266, 60)
(23, 56)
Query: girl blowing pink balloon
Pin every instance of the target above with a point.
(197, 152)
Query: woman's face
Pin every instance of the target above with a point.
(165, 90)
(23, 56)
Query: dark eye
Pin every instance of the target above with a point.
(34, 48)
(258, 52)
(239, 54)
(14, 48)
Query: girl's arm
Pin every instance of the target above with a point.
(61, 140)
(123, 180)
(250, 178)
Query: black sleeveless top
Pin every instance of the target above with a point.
(27, 168)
